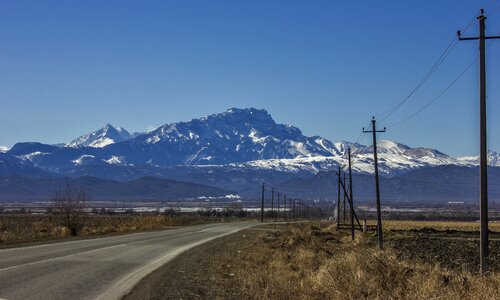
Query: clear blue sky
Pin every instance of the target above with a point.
(70, 67)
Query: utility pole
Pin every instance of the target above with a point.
(345, 196)
(272, 201)
(298, 209)
(294, 214)
(284, 208)
(350, 194)
(374, 131)
(483, 153)
(278, 216)
(290, 208)
(338, 198)
(262, 203)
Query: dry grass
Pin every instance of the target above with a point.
(16, 229)
(438, 225)
(317, 262)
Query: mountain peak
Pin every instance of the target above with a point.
(235, 135)
(243, 115)
(387, 144)
(113, 128)
(103, 137)
(249, 110)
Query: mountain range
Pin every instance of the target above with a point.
(234, 150)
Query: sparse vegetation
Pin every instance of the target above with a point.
(68, 206)
(23, 228)
(315, 261)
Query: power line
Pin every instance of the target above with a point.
(359, 137)
(494, 11)
(488, 6)
(435, 98)
(439, 95)
(431, 71)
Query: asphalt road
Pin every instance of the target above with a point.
(101, 268)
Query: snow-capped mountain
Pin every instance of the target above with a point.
(101, 138)
(236, 139)
(343, 146)
(3, 149)
(237, 135)
(394, 158)
(493, 159)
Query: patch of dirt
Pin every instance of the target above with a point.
(451, 249)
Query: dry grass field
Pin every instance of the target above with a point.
(421, 260)
(25, 228)
(437, 225)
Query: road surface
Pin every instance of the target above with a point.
(101, 268)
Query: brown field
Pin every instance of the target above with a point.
(25, 228)
(438, 225)
(421, 260)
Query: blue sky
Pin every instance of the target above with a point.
(70, 67)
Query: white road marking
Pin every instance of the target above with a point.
(57, 258)
(125, 285)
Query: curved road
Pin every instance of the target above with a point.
(100, 268)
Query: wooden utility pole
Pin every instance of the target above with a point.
(284, 208)
(483, 153)
(262, 203)
(350, 204)
(294, 212)
(278, 215)
(345, 196)
(374, 131)
(298, 209)
(272, 201)
(338, 197)
(350, 194)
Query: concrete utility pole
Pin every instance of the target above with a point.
(262, 203)
(483, 153)
(338, 198)
(374, 131)
(350, 194)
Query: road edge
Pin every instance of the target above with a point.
(126, 284)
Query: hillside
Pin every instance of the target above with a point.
(16, 188)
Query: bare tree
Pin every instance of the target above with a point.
(68, 205)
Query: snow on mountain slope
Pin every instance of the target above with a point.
(394, 158)
(493, 159)
(389, 163)
(308, 164)
(236, 135)
(4, 149)
(101, 138)
(342, 147)
(237, 138)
